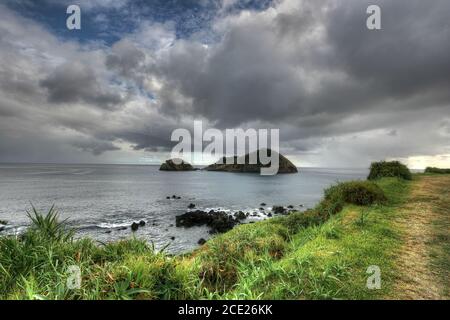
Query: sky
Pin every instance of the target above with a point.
(114, 91)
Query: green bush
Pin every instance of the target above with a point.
(299, 220)
(361, 193)
(389, 169)
(437, 170)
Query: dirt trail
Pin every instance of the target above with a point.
(425, 225)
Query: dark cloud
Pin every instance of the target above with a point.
(75, 82)
(410, 53)
(341, 94)
(304, 64)
(126, 58)
(95, 147)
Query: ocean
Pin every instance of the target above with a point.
(99, 200)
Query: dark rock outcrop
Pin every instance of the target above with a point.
(279, 210)
(191, 206)
(240, 215)
(136, 225)
(172, 165)
(201, 241)
(217, 221)
(285, 166)
(3, 225)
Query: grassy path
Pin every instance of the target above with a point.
(424, 258)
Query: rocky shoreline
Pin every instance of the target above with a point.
(217, 220)
(220, 221)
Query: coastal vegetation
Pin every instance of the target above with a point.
(437, 170)
(323, 253)
(386, 169)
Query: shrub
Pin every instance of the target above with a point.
(298, 220)
(389, 169)
(437, 170)
(361, 193)
(332, 204)
(48, 226)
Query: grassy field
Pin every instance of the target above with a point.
(321, 254)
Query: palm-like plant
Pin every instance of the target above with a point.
(49, 226)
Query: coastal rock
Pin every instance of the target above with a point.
(142, 223)
(285, 166)
(218, 222)
(202, 242)
(3, 225)
(134, 227)
(279, 210)
(191, 206)
(176, 165)
(240, 215)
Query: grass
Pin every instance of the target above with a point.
(323, 253)
(330, 261)
(440, 242)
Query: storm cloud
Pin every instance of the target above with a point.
(342, 95)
